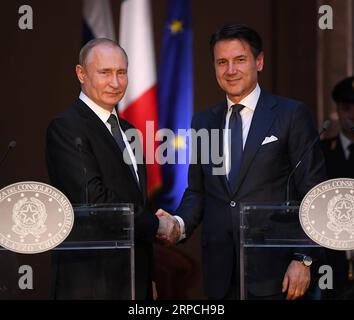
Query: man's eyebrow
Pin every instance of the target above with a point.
(109, 69)
(236, 57)
(241, 56)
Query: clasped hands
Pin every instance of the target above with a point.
(169, 231)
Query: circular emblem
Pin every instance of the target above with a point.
(327, 214)
(34, 217)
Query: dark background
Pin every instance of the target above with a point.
(38, 80)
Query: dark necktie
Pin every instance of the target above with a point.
(117, 134)
(351, 153)
(118, 137)
(235, 125)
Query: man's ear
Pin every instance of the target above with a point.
(260, 61)
(80, 73)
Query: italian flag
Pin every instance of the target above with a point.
(139, 104)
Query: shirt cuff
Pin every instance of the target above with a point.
(182, 228)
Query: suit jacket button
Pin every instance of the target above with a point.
(232, 204)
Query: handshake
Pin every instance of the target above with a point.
(169, 230)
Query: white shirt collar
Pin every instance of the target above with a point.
(102, 113)
(249, 101)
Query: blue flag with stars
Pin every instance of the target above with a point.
(175, 97)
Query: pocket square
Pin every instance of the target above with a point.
(269, 139)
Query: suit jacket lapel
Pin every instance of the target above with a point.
(261, 122)
(142, 180)
(98, 126)
(339, 149)
(95, 123)
(218, 122)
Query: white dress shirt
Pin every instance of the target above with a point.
(250, 103)
(104, 114)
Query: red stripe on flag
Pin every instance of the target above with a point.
(138, 113)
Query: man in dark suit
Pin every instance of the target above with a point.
(102, 72)
(269, 135)
(339, 156)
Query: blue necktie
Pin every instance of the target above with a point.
(235, 125)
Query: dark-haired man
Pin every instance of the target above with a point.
(269, 134)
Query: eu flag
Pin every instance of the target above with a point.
(175, 97)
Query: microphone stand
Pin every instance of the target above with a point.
(78, 143)
(325, 126)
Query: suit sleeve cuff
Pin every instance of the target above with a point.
(182, 228)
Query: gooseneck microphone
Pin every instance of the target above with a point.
(10, 146)
(325, 126)
(78, 143)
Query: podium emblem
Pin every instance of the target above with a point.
(34, 217)
(29, 216)
(327, 214)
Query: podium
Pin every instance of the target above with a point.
(96, 260)
(269, 234)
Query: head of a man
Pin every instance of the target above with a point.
(237, 55)
(343, 95)
(103, 72)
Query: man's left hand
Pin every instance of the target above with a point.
(296, 280)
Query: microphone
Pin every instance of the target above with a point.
(78, 143)
(10, 146)
(325, 126)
